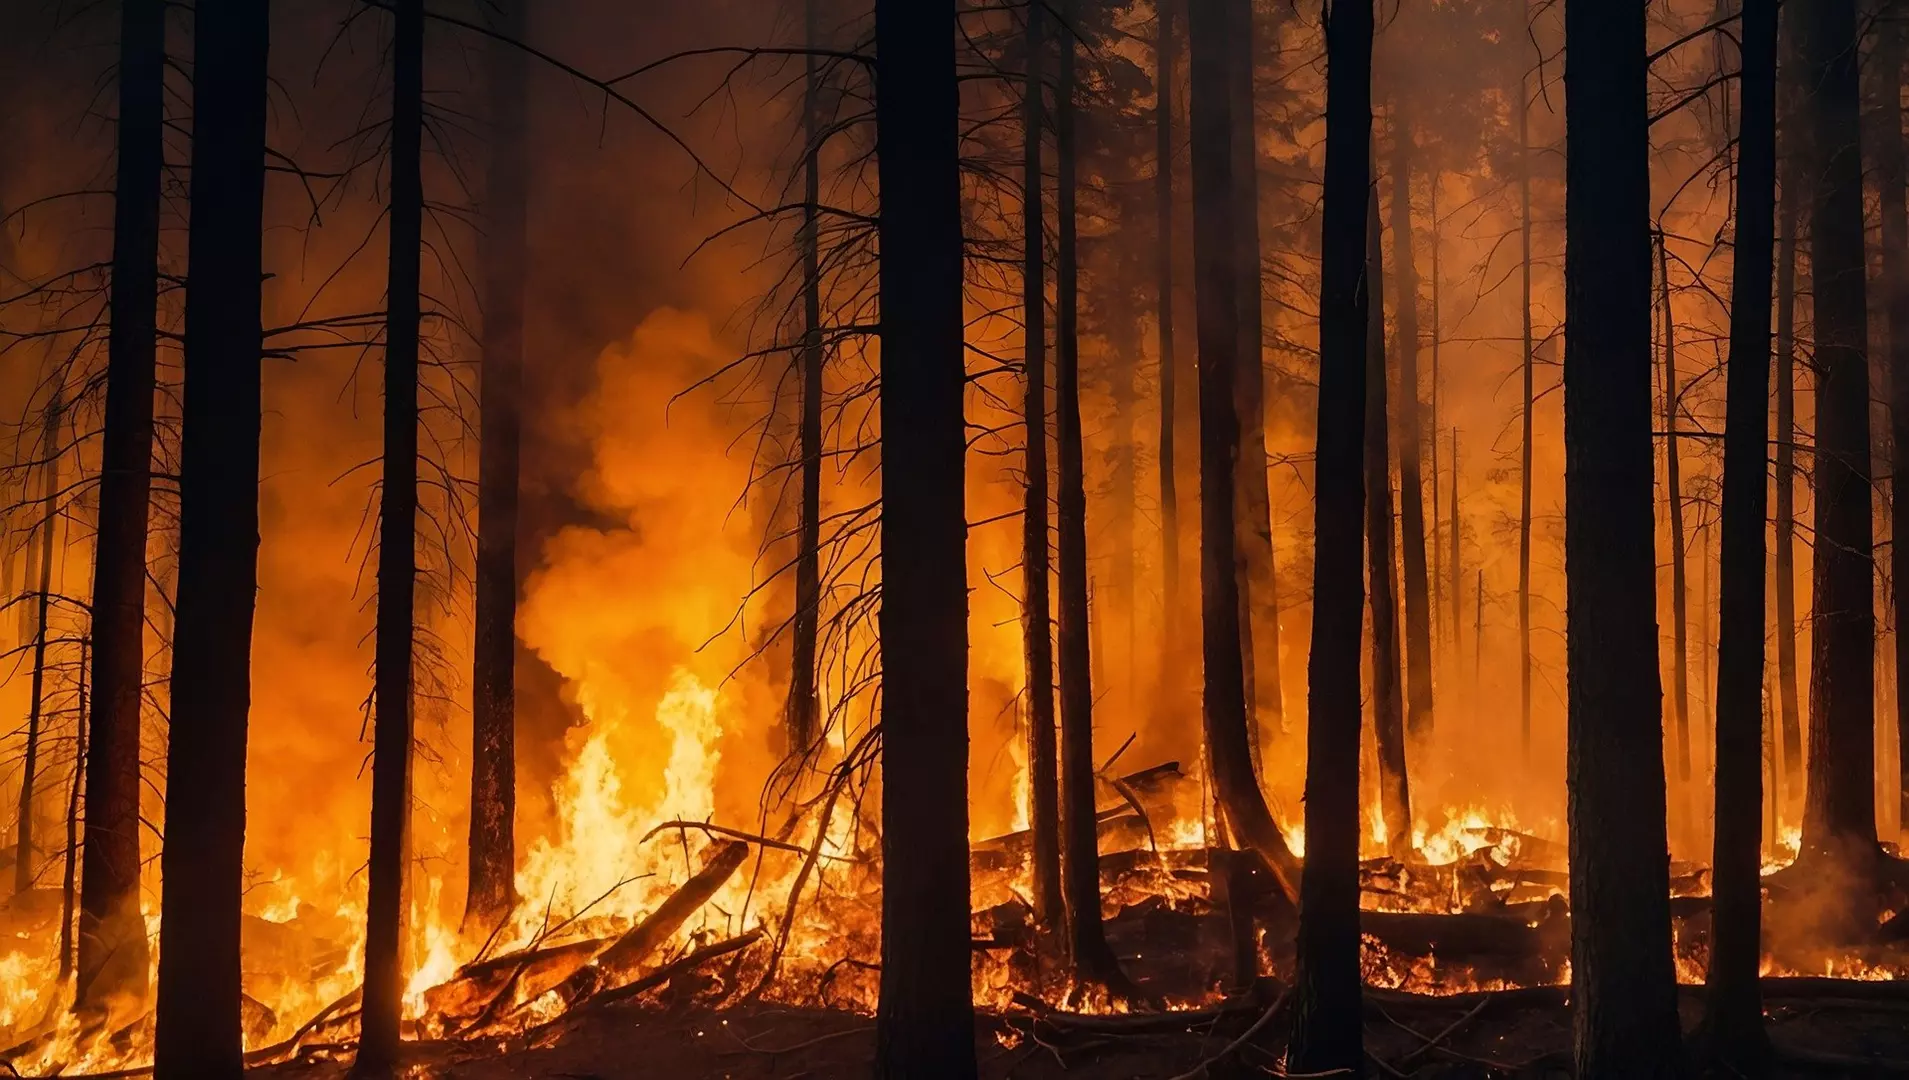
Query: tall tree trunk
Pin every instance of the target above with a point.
(924, 1023)
(1080, 854)
(1163, 57)
(1327, 1010)
(1458, 592)
(1839, 818)
(1624, 992)
(1789, 208)
(1733, 1007)
(111, 924)
(1259, 583)
(1036, 617)
(1388, 697)
(1215, 256)
(50, 454)
(492, 892)
(1528, 364)
(1418, 612)
(804, 703)
(1673, 493)
(397, 554)
(69, 877)
(1890, 179)
(202, 866)
(1437, 569)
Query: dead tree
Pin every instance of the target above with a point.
(1733, 1007)
(1839, 820)
(1793, 136)
(397, 552)
(1891, 176)
(1215, 256)
(111, 924)
(1163, 55)
(1388, 697)
(804, 702)
(1673, 494)
(1259, 580)
(1037, 606)
(924, 1022)
(51, 422)
(1327, 1026)
(1521, 104)
(1418, 614)
(490, 890)
(1624, 990)
(198, 1029)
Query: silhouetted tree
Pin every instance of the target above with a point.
(1521, 104)
(924, 1022)
(1163, 58)
(1388, 697)
(1418, 614)
(1327, 1011)
(1674, 498)
(1886, 61)
(1793, 136)
(202, 863)
(1624, 993)
(52, 419)
(804, 703)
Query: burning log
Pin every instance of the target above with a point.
(627, 953)
(674, 970)
(481, 987)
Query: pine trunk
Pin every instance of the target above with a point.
(1527, 364)
(1327, 1010)
(24, 856)
(1733, 1006)
(492, 888)
(202, 865)
(1839, 817)
(1163, 57)
(1624, 992)
(924, 1022)
(1418, 611)
(397, 554)
(1673, 494)
(1388, 696)
(1887, 60)
(804, 709)
(1789, 209)
(111, 923)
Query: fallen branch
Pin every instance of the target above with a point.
(1265, 1018)
(671, 970)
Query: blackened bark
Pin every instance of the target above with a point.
(1327, 1014)
(111, 924)
(397, 553)
(924, 1023)
(804, 707)
(1623, 988)
(1164, 48)
(1839, 818)
(1673, 493)
(491, 888)
(1259, 581)
(1733, 1007)
(1418, 612)
(1789, 208)
(1381, 558)
(1215, 255)
(1528, 364)
(24, 856)
(1458, 591)
(1887, 60)
(70, 873)
(1037, 607)
(198, 1030)
(1080, 854)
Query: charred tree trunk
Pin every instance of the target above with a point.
(804, 710)
(1418, 612)
(1733, 1007)
(1528, 364)
(491, 891)
(1458, 591)
(1164, 49)
(1624, 992)
(198, 1029)
(1080, 853)
(23, 853)
(1259, 583)
(1327, 1013)
(1673, 493)
(924, 1023)
(1215, 255)
(1789, 209)
(1839, 818)
(68, 883)
(111, 924)
(397, 554)
(1388, 704)
(1890, 179)
(1036, 619)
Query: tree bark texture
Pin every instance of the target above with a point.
(1388, 695)
(1405, 408)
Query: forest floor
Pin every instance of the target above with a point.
(1514, 1034)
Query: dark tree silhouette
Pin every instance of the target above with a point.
(111, 925)
(1163, 57)
(397, 553)
(1839, 819)
(1215, 257)
(491, 890)
(1623, 989)
(1733, 1008)
(1037, 607)
(1886, 60)
(52, 419)
(1388, 696)
(1793, 136)
(924, 1022)
(1327, 1011)
(804, 703)
(1418, 612)
(202, 863)
(1674, 498)
(1521, 104)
